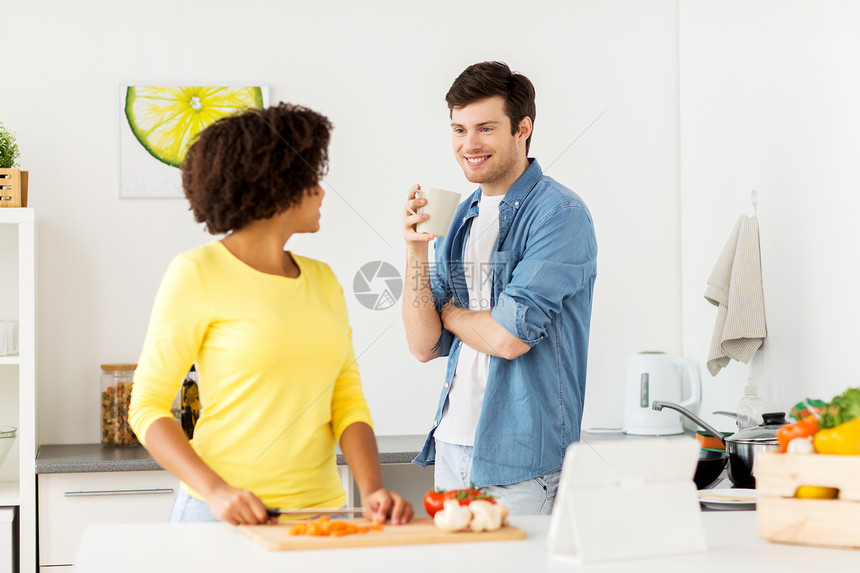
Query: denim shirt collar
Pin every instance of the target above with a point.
(513, 198)
(516, 193)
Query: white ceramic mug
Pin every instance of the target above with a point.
(441, 205)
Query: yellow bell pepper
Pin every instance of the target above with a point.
(843, 439)
(816, 492)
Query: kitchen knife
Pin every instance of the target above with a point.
(709, 496)
(276, 511)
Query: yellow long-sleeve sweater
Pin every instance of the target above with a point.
(277, 373)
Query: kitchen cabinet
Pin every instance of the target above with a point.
(18, 381)
(7, 539)
(69, 502)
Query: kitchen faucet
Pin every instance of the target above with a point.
(659, 405)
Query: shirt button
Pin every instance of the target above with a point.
(436, 423)
(446, 384)
(516, 202)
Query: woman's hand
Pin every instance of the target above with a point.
(236, 506)
(383, 504)
(168, 445)
(358, 444)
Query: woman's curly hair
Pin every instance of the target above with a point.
(254, 165)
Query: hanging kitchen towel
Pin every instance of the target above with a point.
(735, 287)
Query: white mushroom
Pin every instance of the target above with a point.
(486, 516)
(452, 516)
(505, 512)
(800, 446)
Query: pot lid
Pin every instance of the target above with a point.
(766, 440)
(766, 432)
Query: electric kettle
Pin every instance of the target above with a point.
(653, 376)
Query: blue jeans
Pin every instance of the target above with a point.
(534, 496)
(188, 509)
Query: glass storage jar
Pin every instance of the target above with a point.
(116, 381)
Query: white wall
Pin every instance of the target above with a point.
(769, 101)
(380, 71)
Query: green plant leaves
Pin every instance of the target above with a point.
(8, 149)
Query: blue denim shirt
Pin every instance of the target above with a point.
(542, 270)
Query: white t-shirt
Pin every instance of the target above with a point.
(460, 417)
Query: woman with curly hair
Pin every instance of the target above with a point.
(268, 330)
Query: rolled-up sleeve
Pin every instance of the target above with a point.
(442, 293)
(559, 260)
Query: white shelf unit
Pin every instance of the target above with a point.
(22, 493)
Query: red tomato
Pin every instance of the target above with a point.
(805, 428)
(467, 496)
(433, 501)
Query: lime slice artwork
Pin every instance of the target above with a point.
(165, 120)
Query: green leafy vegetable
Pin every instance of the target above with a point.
(843, 408)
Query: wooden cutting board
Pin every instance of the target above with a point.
(420, 530)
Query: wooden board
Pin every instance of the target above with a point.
(420, 530)
(819, 522)
(781, 474)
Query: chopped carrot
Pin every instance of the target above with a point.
(324, 526)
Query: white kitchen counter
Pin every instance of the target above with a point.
(732, 540)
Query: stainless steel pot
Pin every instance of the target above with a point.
(743, 446)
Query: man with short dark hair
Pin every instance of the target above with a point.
(508, 300)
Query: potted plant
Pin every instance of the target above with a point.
(13, 181)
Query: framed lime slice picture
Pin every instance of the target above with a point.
(159, 123)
